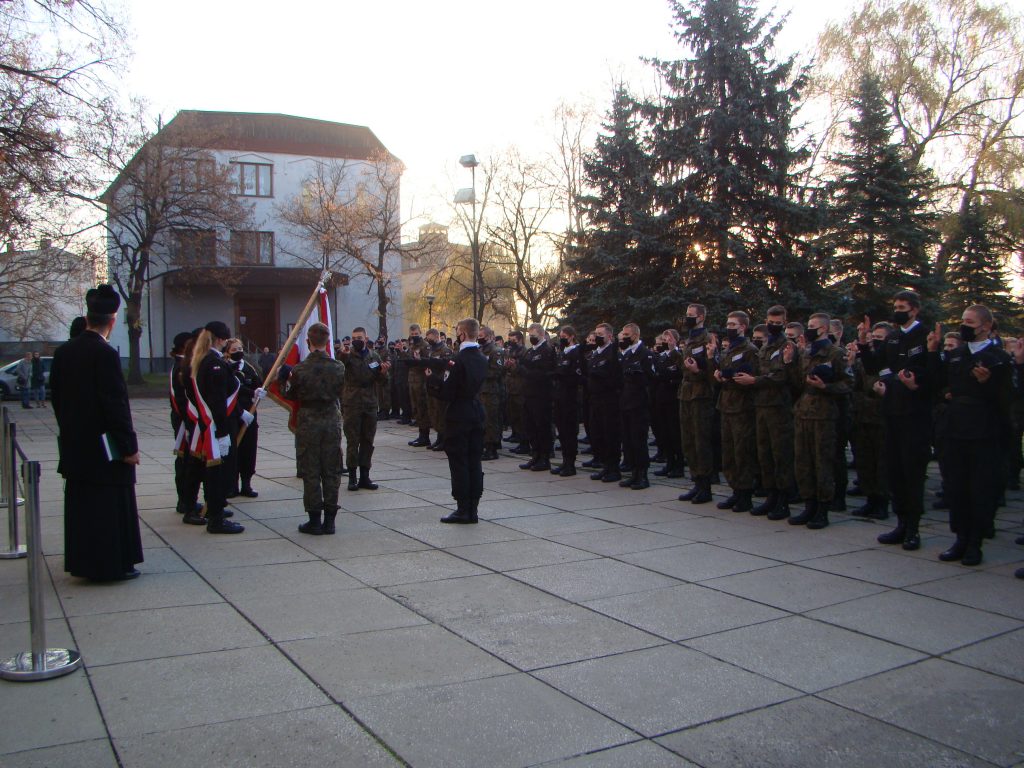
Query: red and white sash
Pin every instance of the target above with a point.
(205, 445)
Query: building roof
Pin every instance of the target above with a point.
(266, 132)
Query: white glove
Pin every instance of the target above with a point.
(225, 444)
(247, 418)
(258, 395)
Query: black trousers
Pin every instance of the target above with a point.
(973, 482)
(568, 425)
(670, 441)
(537, 415)
(247, 453)
(635, 425)
(464, 445)
(605, 430)
(908, 450)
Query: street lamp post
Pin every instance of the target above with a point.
(430, 310)
(470, 161)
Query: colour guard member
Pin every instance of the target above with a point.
(736, 406)
(569, 377)
(696, 404)
(773, 413)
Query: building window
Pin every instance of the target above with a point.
(252, 248)
(194, 247)
(255, 180)
(193, 175)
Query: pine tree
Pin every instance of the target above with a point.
(976, 273)
(721, 138)
(618, 266)
(879, 229)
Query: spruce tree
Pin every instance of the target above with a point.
(977, 273)
(721, 140)
(617, 266)
(879, 230)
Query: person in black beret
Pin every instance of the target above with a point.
(98, 449)
(181, 428)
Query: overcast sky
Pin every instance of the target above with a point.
(433, 80)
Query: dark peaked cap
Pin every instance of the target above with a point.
(102, 300)
(218, 329)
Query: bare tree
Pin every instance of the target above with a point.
(169, 204)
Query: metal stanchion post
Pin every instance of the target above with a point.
(9, 476)
(41, 663)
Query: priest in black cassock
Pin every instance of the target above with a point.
(98, 449)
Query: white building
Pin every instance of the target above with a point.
(252, 280)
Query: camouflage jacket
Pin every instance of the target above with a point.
(317, 384)
(362, 371)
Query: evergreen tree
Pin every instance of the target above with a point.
(721, 137)
(976, 273)
(879, 229)
(617, 266)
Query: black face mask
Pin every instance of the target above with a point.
(599, 340)
(534, 340)
(774, 329)
(758, 343)
(901, 317)
(878, 344)
(811, 334)
(733, 334)
(358, 345)
(481, 341)
(625, 343)
(968, 333)
(662, 347)
(563, 342)
(691, 322)
(832, 338)
(413, 339)
(238, 356)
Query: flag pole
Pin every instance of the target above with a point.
(289, 342)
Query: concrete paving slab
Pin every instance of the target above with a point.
(363, 501)
(697, 562)
(524, 553)
(181, 691)
(48, 713)
(255, 581)
(408, 568)
(960, 707)
(160, 632)
(916, 621)
(499, 509)
(990, 592)
(885, 567)
(95, 754)
(428, 726)
(230, 551)
(793, 588)
(555, 524)
(317, 736)
(151, 590)
(551, 636)
(789, 545)
(1003, 655)
(488, 595)
(706, 528)
(592, 579)
(640, 754)
(664, 689)
(431, 532)
(618, 541)
(802, 653)
(810, 733)
(684, 611)
(294, 617)
(390, 660)
(633, 514)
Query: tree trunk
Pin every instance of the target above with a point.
(382, 292)
(132, 310)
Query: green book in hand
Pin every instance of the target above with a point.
(110, 447)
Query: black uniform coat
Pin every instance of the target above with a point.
(464, 421)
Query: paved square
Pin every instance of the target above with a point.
(578, 625)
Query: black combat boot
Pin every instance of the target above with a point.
(439, 443)
(626, 482)
(215, 523)
(691, 494)
(531, 463)
(422, 441)
(766, 506)
(781, 511)
(820, 519)
(641, 480)
(462, 515)
(867, 509)
(744, 502)
(611, 476)
(568, 468)
(955, 552)
(353, 484)
(972, 552)
(543, 463)
(728, 503)
(364, 479)
(810, 508)
(247, 490)
(911, 538)
(313, 527)
(704, 491)
(490, 453)
(327, 528)
(895, 536)
(591, 464)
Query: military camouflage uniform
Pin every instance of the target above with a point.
(773, 406)
(816, 414)
(869, 431)
(317, 383)
(437, 408)
(736, 405)
(362, 374)
(383, 384)
(515, 385)
(696, 407)
(490, 395)
(417, 387)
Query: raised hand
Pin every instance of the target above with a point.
(935, 338)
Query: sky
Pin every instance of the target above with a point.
(434, 81)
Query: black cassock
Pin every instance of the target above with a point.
(90, 399)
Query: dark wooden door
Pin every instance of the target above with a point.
(260, 323)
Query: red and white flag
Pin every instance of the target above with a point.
(321, 314)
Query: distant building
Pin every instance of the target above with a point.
(251, 279)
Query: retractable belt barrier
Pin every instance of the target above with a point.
(40, 663)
